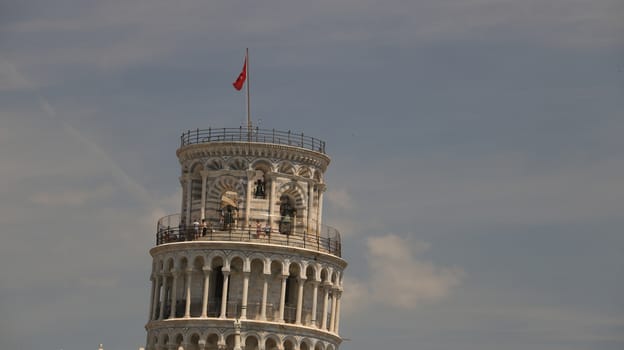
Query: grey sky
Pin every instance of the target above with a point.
(478, 140)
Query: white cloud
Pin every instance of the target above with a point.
(398, 278)
(340, 198)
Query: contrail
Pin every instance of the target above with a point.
(134, 187)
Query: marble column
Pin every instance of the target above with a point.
(189, 279)
(300, 284)
(325, 305)
(282, 298)
(245, 294)
(164, 297)
(315, 285)
(174, 296)
(207, 271)
(265, 289)
(226, 280)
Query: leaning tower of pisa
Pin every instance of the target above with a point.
(247, 263)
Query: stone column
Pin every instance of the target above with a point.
(245, 293)
(265, 289)
(315, 284)
(189, 279)
(156, 299)
(272, 200)
(282, 298)
(226, 280)
(310, 205)
(250, 175)
(189, 182)
(206, 270)
(152, 293)
(164, 297)
(337, 321)
(300, 283)
(174, 292)
(332, 320)
(202, 344)
(319, 215)
(325, 305)
(204, 176)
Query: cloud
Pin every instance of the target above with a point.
(398, 278)
(339, 198)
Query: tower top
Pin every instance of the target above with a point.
(255, 135)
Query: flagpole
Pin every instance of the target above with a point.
(248, 102)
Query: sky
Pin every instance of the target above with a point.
(477, 173)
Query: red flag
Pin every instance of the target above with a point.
(240, 81)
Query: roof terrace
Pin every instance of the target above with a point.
(242, 134)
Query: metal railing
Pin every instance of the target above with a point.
(242, 134)
(323, 239)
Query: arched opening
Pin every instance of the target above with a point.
(308, 296)
(270, 344)
(216, 287)
(235, 288)
(197, 286)
(256, 282)
(251, 343)
(179, 339)
(194, 343)
(274, 290)
(289, 345)
(292, 293)
(229, 210)
(196, 188)
(164, 345)
(288, 212)
(229, 342)
(304, 346)
(212, 342)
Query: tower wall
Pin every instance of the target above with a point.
(247, 263)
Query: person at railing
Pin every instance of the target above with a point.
(204, 227)
(228, 216)
(195, 229)
(258, 228)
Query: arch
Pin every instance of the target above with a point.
(289, 343)
(178, 339)
(306, 344)
(193, 341)
(196, 167)
(170, 265)
(164, 341)
(214, 164)
(229, 342)
(271, 342)
(234, 258)
(305, 171)
(295, 197)
(237, 163)
(286, 167)
(319, 346)
(263, 165)
(252, 342)
(212, 341)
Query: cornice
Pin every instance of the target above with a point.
(253, 149)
